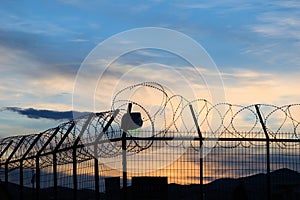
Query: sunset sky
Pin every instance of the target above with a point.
(255, 46)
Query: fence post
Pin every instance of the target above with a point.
(6, 175)
(75, 188)
(124, 163)
(54, 152)
(23, 158)
(268, 152)
(201, 151)
(37, 163)
(55, 176)
(96, 173)
(75, 146)
(96, 162)
(21, 180)
(37, 177)
(124, 156)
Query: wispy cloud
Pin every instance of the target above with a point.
(260, 50)
(287, 27)
(78, 40)
(288, 4)
(29, 25)
(227, 5)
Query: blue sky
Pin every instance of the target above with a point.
(255, 45)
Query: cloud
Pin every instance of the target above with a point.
(52, 41)
(38, 55)
(44, 114)
(226, 6)
(78, 40)
(30, 25)
(288, 4)
(260, 49)
(27, 82)
(250, 86)
(242, 86)
(280, 21)
(183, 80)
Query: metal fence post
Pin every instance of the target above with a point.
(55, 158)
(37, 177)
(23, 158)
(124, 163)
(55, 176)
(6, 175)
(268, 152)
(74, 153)
(201, 151)
(37, 163)
(96, 162)
(96, 173)
(75, 187)
(124, 157)
(21, 180)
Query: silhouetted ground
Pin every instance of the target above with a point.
(285, 186)
(4, 195)
(13, 193)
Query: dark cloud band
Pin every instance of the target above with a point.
(46, 114)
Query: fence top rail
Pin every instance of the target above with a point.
(68, 153)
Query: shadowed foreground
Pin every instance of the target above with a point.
(285, 186)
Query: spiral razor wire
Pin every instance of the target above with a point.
(99, 133)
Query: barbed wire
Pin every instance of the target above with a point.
(169, 117)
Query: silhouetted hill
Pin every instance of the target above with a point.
(285, 186)
(64, 193)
